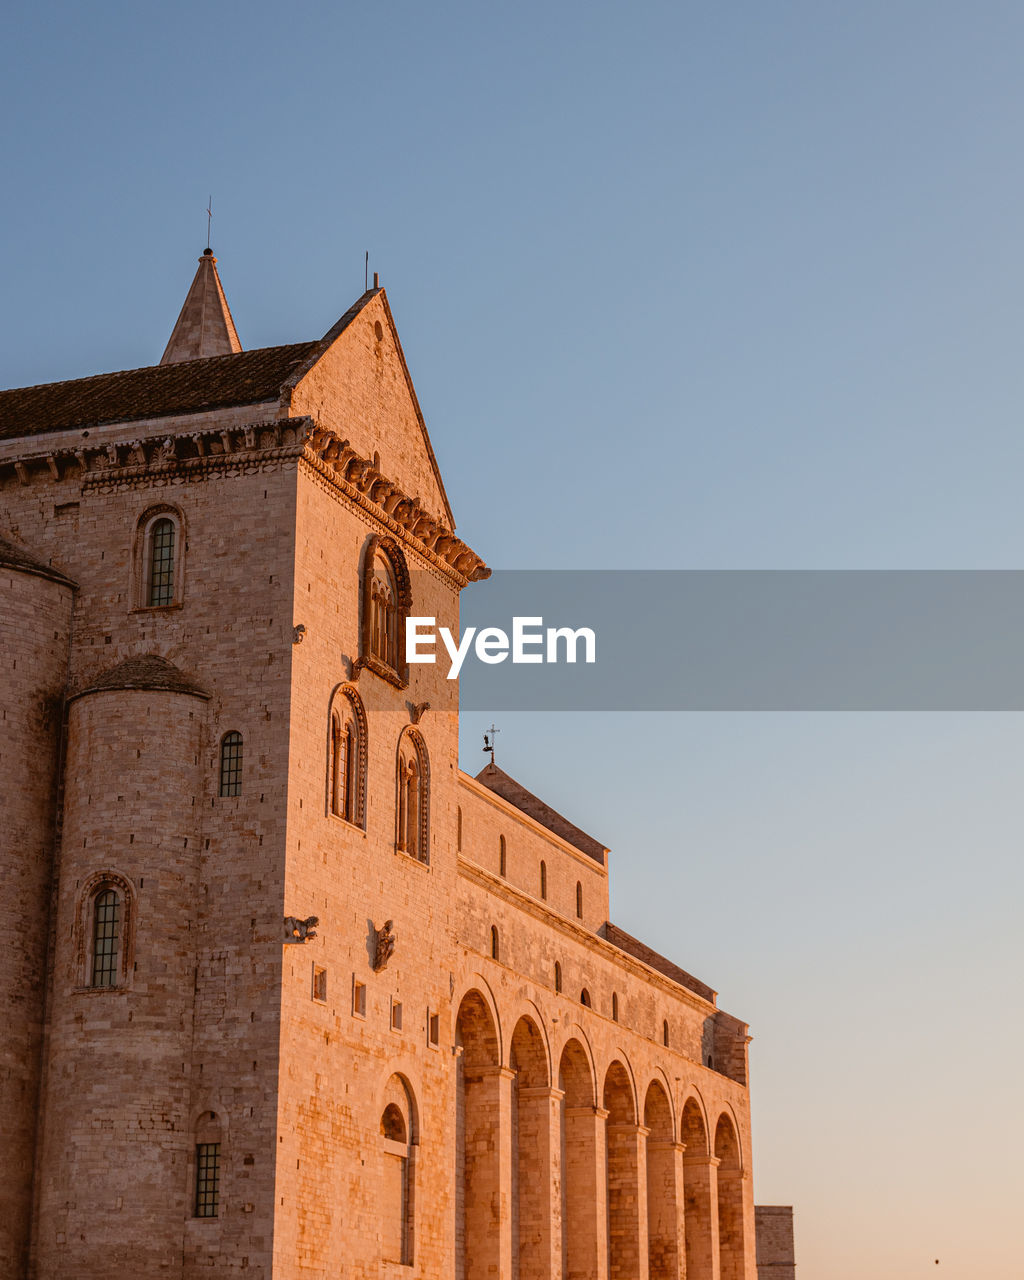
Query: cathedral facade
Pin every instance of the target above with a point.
(286, 992)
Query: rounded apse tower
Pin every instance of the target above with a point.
(35, 632)
(116, 1129)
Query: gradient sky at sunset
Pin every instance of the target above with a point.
(684, 286)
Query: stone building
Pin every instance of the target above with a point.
(284, 991)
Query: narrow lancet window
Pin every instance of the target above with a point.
(207, 1179)
(106, 938)
(231, 764)
(160, 588)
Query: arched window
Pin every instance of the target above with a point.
(398, 1139)
(341, 762)
(585, 998)
(231, 764)
(543, 879)
(579, 900)
(107, 921)
(502, 858)
(413, 794)
(159, 544)
(104, 931)
(458, 828)
(664, 1033)
(495, 949)
(615, 1006)
(161, 563)
(386, 601)
(346, 758)
(558, 976)
(384, 612)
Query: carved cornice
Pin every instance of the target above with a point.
(167, 456)
(177, 456)
(361, 480)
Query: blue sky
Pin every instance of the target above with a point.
(687, 286)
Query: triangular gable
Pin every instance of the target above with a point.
(356, 383)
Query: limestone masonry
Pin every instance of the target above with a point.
(285, 992)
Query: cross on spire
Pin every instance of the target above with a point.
(489, 736)
(209, 221)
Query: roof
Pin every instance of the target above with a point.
(149, 672)
(498, 781)
(204, 326)
(246, 377)
(14, 557)
(641, 951)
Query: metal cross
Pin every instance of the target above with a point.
(489, 735)
(209, 220)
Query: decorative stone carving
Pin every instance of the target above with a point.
(364, 478)
(385, 946)
(296, 930)
(298, 633)
(416, 710)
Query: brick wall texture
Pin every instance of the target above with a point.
(496, 1098)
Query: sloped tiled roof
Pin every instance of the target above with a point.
(247, 377)
(149, 671)
(641, 951)
(498, 781)
(16, 557)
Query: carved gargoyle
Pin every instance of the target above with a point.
(296, 930)
(385, 946)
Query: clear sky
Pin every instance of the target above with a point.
(682, 285)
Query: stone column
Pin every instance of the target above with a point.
(701, 1197)
(627, 1201)
(585, 1221)
(540, 1180)
(665, 1210)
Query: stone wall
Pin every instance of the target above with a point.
(35, 619)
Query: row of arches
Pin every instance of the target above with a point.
(603, 1180)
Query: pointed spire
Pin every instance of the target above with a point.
(205, 327)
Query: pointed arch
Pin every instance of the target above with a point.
(399, 1136)
(730, 1198)
(347, 754)
(623, 1173)
(533, 1160)
(477, 1153)
(412, 795)
(664, 1224)
(582, 1159)
(386, 600)
(698, 1178)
